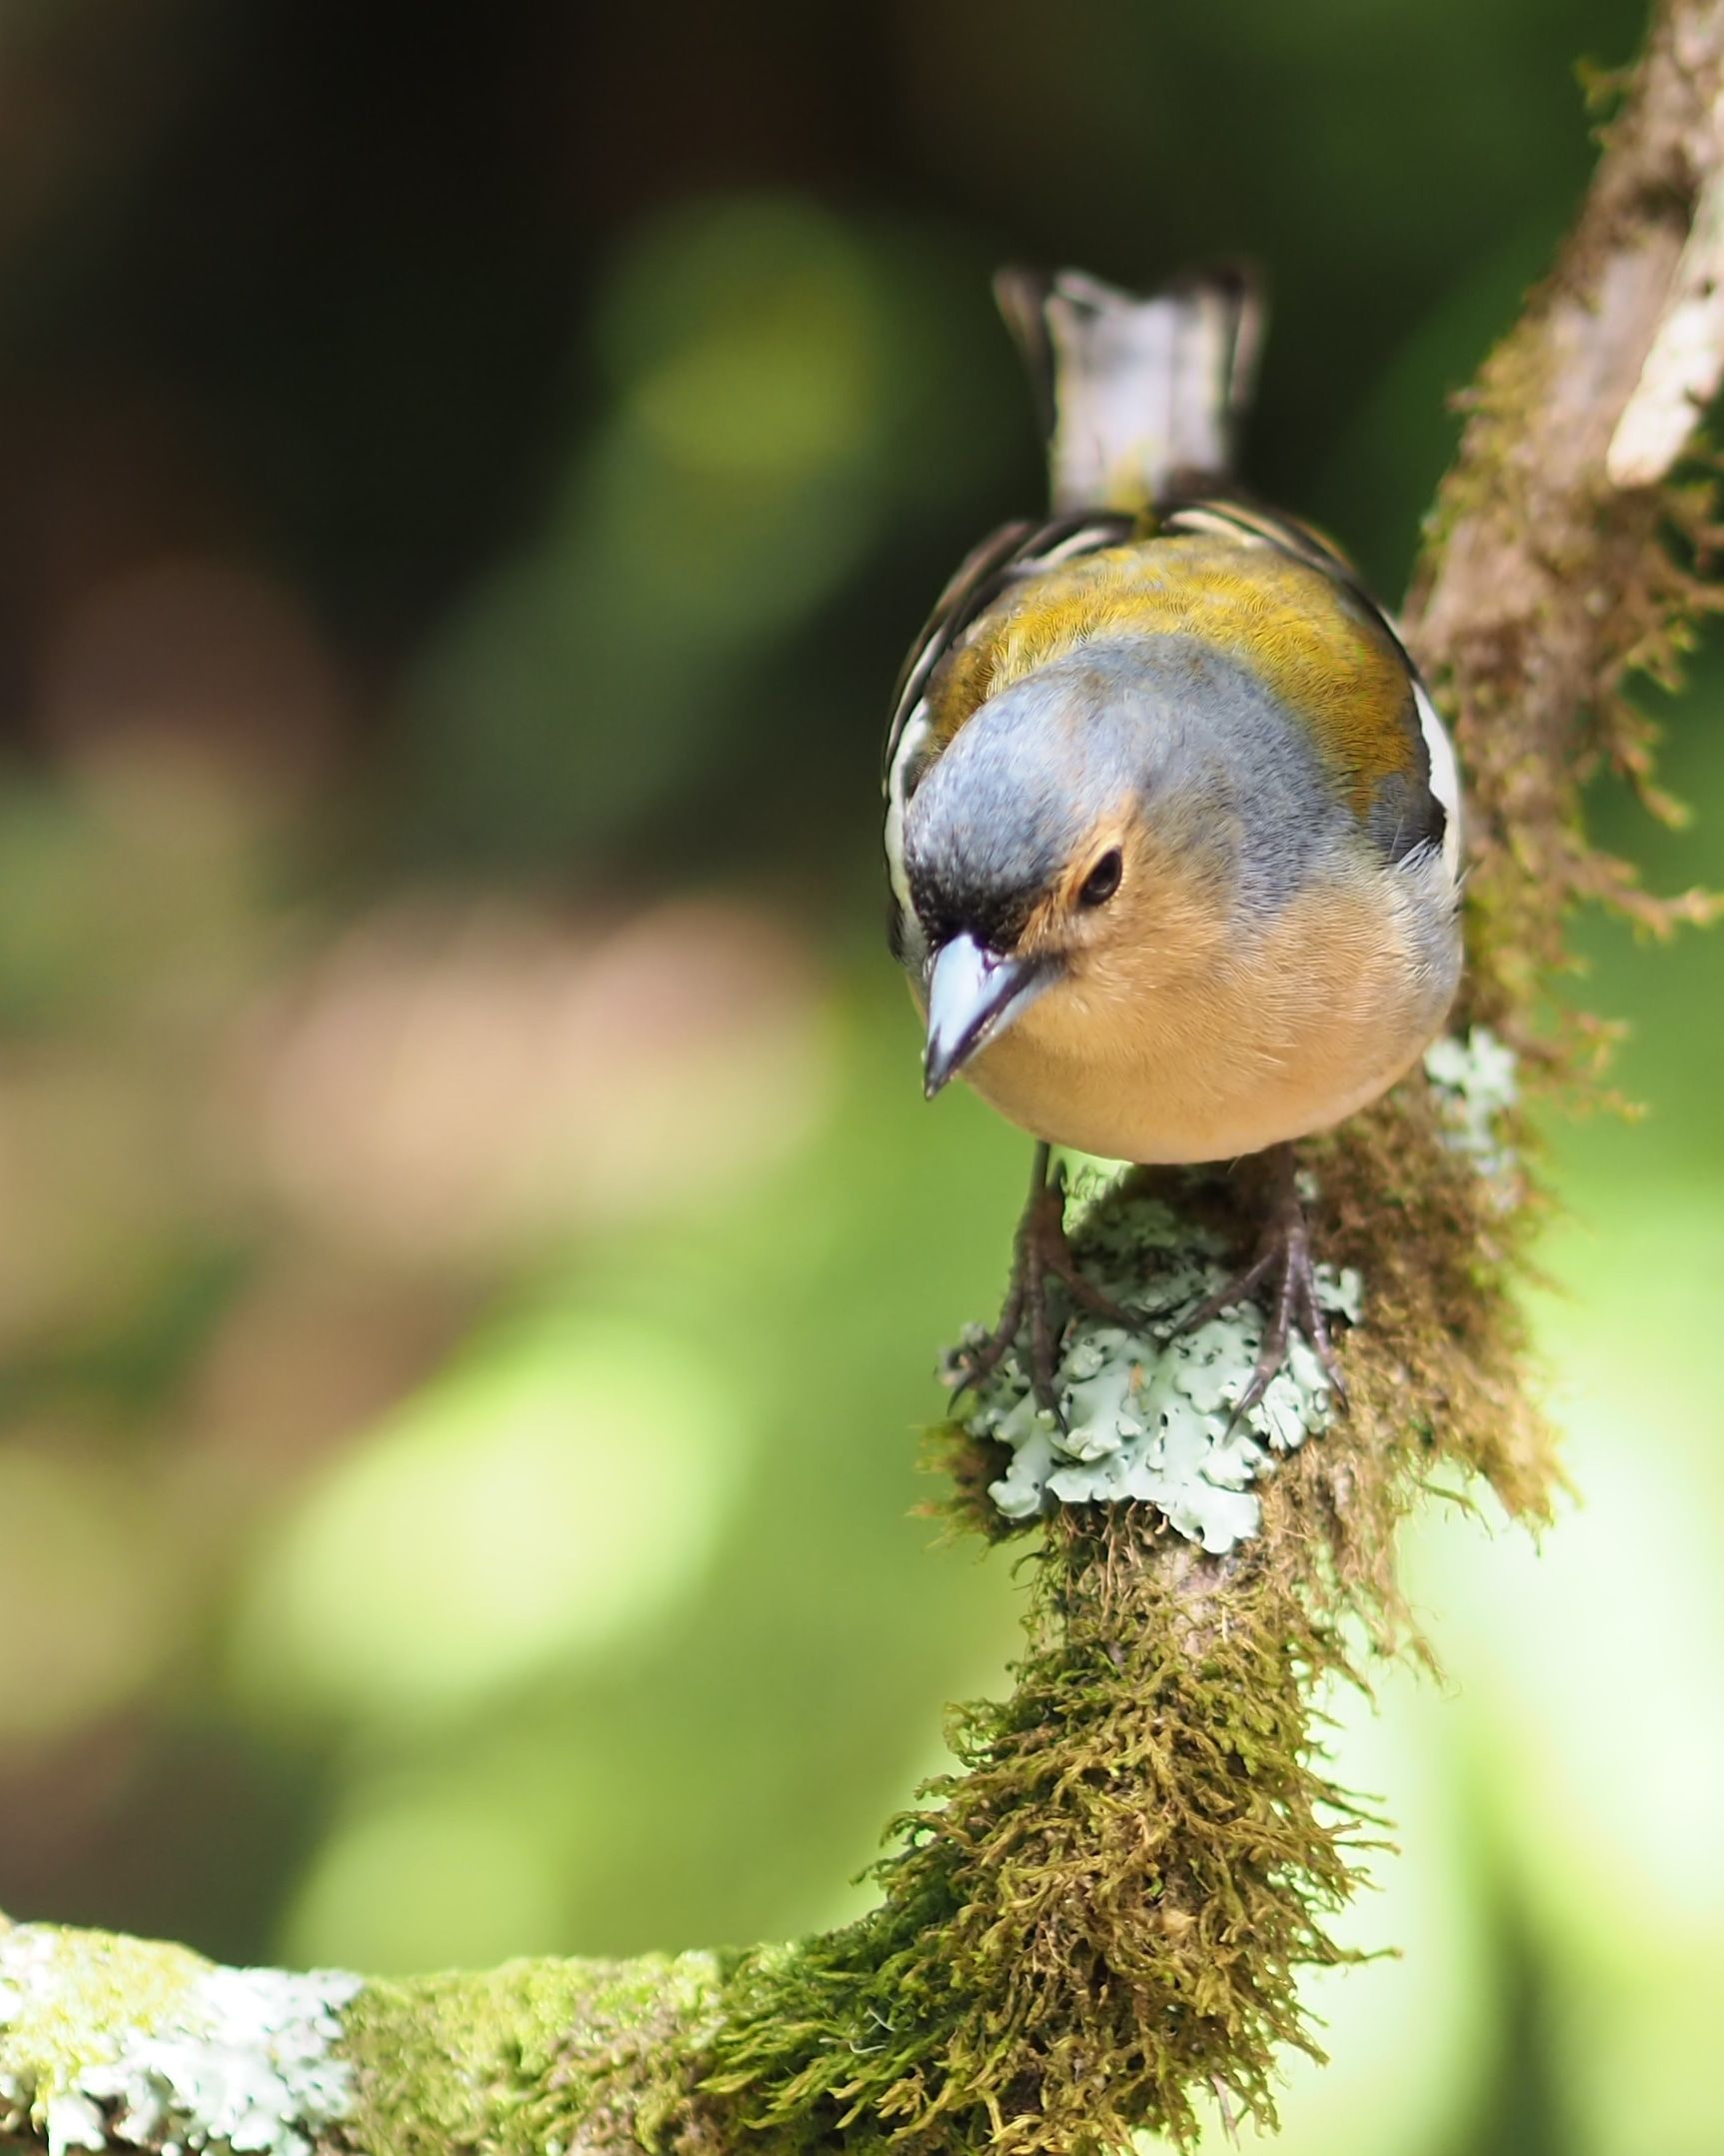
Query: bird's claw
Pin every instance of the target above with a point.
(1042, 1254)
(1283, 1256)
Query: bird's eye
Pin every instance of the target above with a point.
(1103, 880)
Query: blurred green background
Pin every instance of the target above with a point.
(474, 1247)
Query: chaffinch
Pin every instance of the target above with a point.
(1172, 826)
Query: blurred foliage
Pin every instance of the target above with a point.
(475, 1247)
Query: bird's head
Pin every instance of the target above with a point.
(1068, 848)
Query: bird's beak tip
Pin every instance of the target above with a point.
(973, 993)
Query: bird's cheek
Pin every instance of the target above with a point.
(1128, 973)
(1065, 1006)
(1086, 999)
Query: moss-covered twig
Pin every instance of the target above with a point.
(122, 2043)
(1102, 1918)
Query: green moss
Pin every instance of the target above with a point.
(1100, 1916)
(530, 2057)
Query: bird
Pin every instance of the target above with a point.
(1172, 825)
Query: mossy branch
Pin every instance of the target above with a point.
(1099, 1921)
(1573, 542)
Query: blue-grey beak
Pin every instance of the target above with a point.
(972, 994)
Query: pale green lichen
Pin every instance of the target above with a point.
(1476, 1087)
(112, 2044)
(1150, 1414)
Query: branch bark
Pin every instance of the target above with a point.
(1105, 1916)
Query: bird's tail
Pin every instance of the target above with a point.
(1140, 398)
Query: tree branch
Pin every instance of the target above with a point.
(1560, 558)
(1102, 1917)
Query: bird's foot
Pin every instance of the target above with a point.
(1042, 1255)
(1281, 1263)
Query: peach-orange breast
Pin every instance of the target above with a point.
(1202, 1046)
(1303, 634)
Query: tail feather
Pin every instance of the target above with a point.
(1140, 398)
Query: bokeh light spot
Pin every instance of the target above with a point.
(557, 1493)
(89, 1605)
(421, 1882)
(747, 338)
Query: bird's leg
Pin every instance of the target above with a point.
(1282, 1259)
(1042, 1254)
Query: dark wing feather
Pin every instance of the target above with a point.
(1234, 516)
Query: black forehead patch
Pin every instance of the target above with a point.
(948, 903)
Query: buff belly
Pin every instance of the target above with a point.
(1215, 1109)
